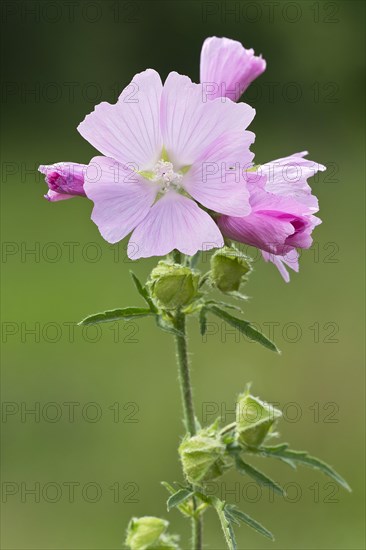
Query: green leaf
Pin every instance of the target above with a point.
(184, 507)
(194, 259)
(125, 314)
(142, 290)
(178, 498)
(248, 520)
(225, 521)
(257, 475)
(166, 327)
(239, 295)
(203, 321)
(244, 327)
(302, 457)
(223, 304)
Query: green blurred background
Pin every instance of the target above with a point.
(62, 58)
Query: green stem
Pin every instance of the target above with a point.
(188, 407)
(184, 374)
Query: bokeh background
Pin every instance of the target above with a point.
(107, 407)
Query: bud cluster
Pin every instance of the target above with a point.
(208, 454)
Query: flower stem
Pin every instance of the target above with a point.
(184, 374)
(188, 407)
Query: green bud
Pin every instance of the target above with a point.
(167, 542)
(149, 532)
(173, 285)
(254, 420)
(202, 456)
(229, 269)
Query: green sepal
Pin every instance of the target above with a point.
(244, 327)
(203, 456)
(229, 269)
(172, 285)
(255, 420)
(125, 314)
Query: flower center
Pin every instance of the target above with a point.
(164, 175)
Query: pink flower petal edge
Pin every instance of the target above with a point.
(227, 68)
(282, 217)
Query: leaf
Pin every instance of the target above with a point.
(184, 508)
(223, 304)
(178, 498)
(302, 457)
(248, 520)
(142, 290)
(195, 259)
(125, 314)
(244, 327)
(257, 475)
(239, 295)
(225, 521)
(203, 321)
(166, 327)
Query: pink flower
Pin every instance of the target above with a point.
(167, 149)
(282, 217)
(227, 68)
(64, 179)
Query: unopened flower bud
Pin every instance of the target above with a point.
(202, 456)
(149, 532)
(173, 285)
(229, 269)
(64, 179)
(254, 420)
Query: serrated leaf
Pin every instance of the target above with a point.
(144, 293)
(302, 457)
(257, 475)
(225, 521)
(123, 314)
(178, 498)
(244, 327)
(248, 520)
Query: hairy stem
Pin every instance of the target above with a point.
(188, 407)
(184, 374)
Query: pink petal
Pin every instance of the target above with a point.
(227, 68)
(121, 197)
(53, 196)
(129, 131)
(190, 124)
(288, 177)
(174, 222)
(64, 179)
(264, 230)
(218, 179)
(291, 259)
